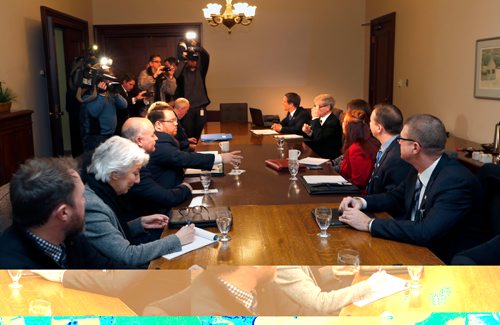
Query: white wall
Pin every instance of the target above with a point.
(22, 58)
(435, 51)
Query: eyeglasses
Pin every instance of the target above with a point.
(320, 106)
(156, 61)
(399, 139)
(169, 121)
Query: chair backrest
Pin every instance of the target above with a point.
(489, 176)
(5, 207)
(257, 117)
(233, 112)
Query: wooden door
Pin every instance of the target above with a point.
(382, 34)
(76, 40)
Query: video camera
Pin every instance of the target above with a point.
(187, 48)
(94, 71)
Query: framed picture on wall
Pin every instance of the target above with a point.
(487, 73)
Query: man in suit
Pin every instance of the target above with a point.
(325, 131)
(439, 197)
(295, 117)
(48, 220)
(386, 122)
(180, 108)
(167, 162)
(134, 101)
(148, 196)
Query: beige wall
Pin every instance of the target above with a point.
(435, 51)
(289, 47)
(22, 58)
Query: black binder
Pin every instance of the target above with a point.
(329, 188)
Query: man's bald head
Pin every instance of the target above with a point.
(141, 131)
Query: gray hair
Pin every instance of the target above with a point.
(428, 131)
(181, 102)
(325, 99)
(117, 154)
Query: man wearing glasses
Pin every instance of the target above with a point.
(152, 77)
(438, 198)
(324, 131)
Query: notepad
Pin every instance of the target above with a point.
(289, 136)
(326, 179)
(264, 132)
(202, 238)
(311, 161)
(392, 285)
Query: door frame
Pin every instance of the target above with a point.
(51, 19)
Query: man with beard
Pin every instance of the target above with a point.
(48, 213)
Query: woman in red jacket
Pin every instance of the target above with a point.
(360, 149)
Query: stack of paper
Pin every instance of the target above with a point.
(264, 132)
(326, 179)
(201, 238)
(289, 136)
(311, 161)
(391, 286)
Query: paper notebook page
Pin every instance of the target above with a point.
(392, 285)
(322, 179)
(312, 161)
(289, 136)
(199, 241)
(196, 201)
(264, 132)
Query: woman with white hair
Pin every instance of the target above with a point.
(113, 171)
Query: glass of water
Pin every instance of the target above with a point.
(15, 275)
(280, 141)
(205, 178)
(236, 167)
(415, 272)
(349, 257)
(224, 220)
(323, 218)
(40, 307)
(293, 167)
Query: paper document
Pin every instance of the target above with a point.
(313, 161)
(289, 136)
(264, 132)
(326, 179)
(196, 201)
(201, 238)
(391, 286)
(210, 191)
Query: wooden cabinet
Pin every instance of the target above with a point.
(16, 142)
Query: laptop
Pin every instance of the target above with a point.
(263, 121)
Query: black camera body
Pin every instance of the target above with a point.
(93, 75)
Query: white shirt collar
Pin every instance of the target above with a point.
(323, 119)
(425, 176)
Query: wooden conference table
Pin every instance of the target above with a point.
(444, 289)
(64, 301)
(272, 222)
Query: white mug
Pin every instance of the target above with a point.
(224, 146)
(294, 154)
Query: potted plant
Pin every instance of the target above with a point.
(6, 98)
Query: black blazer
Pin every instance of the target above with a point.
(448, 210)
(294, 126)
(167, 162)
(326, 139)
(18, 251)
(390, 171)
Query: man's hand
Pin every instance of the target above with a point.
(140, 95)
(186, 234)
(187, 185)
(306, 128)
(229, 157)
(102, 85)
(276, 127)
(351, 202)
(159, 71)
(154, 221)
(192, 140)
(355, 218)
(315, 112)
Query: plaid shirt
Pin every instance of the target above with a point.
(55, 252)
(247, 299)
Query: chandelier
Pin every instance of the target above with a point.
(239, 13)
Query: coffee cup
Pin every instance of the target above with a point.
(294, 154)
(224, 146)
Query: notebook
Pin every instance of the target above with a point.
(264, 121)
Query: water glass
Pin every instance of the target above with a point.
(186, 214)
(323, 218)
(349, 257)
(15, 275)
(236, 167)
(415, 272)
(224, 220)
(205, 178)
(280, 141)
(293, 167)
(40, 307)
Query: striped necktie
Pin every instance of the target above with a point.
(416, 197)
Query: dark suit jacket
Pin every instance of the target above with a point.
(300, 116)
(326, 139)
(448, 206)
(149, 197)
(390, 171)
(182, 136)
(167, 161)
(18, 251)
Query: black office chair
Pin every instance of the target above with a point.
(234, 112)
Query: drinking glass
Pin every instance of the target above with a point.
(236, 167)
(349, 257)
(40, 307)
(293, 167)
(223, 219)
(323, 218)
(280, 142)
(205, 178)
(15, 275)
(415, 272)
(186, 214)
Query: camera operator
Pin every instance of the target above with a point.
(190, 76)
(151, 79)
(99, 114)
(169, 85)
